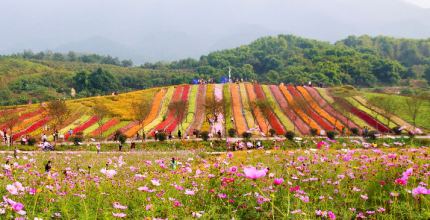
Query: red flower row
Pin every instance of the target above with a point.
(175, 123)
(11, 111)
(129, 126)
(170, 116)
(32, 128)
(365, 117)
(82, 127)
(310, 111)
(24, 116)
(272, 118)
(106, 126)
(315, 94)
(300, 124)
(200, 110)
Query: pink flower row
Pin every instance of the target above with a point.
(175, 123)
(170, 117)
(200, 110)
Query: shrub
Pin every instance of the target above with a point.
(372, 134)
(232, 132)
(31, 141)
(397, 131)
(355, 131)
(246, 135)
(290, 135)
(162, 136)
(332, 134)
(205, 135)
(314, 131)
(76, 139)
(80, 133)
(411, 134)
(197, 132)
(425, 142)
(122, 138)
(272, 132)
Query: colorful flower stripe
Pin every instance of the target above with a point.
(151, 116)
(237, 109)
(371, 121)
(357, 120)
(317, 118)
(218, 126)
(209, 96)
(23, 124)
(163, 110)
(280, 98)
(191, 107)
(314, 105)
(175, 122)
(228, 123)
(245, 106)
(82, 127)
(94, 127)
(25, 116)
(272, 118)
(395, 120)
(129, 126)
(366, 110)
(105, 127)
(109, 132)
(200, 109)
(257, 112)
(314, 93)
(31, 128)
(299, 112)
(81, 120)
(11, 111)
(282, 118)
(170, 116)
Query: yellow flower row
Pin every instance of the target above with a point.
(163, 110)
(209, 96)
(28, 122)
(284, 120)
(151, 116)
(245, 105)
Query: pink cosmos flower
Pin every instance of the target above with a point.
(294, 189)
(407, 173)
(331, 215)
(18, 206)
(420, 190)
(278, 181)
(253, 173)
(12, 189)
(230, 155)
(118, 206)
(364, 197)
(189, 192)
(394, 194)
(119, 215)
(233, 169)
(401, 182)
(223, 196)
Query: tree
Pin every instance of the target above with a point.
(413, 105)
(103, 113)
(103, 81)
(427, 74)
(179, 109)
(372, 105)
(10, 118)
(71, 56)
(344, 109)
(59, 111)
(389, 108)
(127, 63)
(139, 112)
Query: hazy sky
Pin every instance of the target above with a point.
(421, 3)
(153, 30)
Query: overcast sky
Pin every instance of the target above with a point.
(153, 30)
(421, 3)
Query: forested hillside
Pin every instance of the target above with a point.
(360, 61)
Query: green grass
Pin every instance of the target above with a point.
(423, 118)
(191, 106)
(227, 97)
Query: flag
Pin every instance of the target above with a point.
(229, 71)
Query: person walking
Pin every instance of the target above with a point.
(219, 134)
(137, 136)
(120, 146)
(179, 134)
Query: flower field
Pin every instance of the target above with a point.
(278, 183)
(297, 109)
